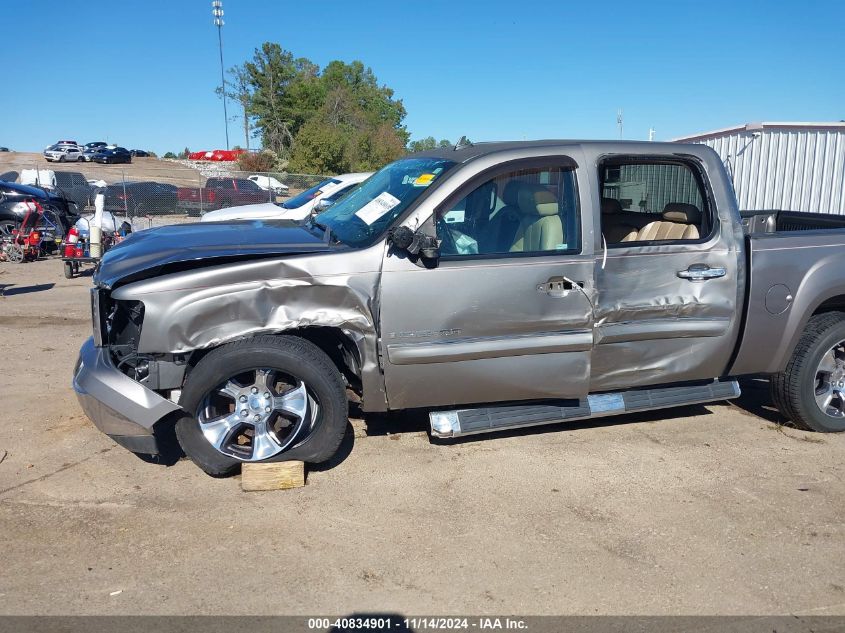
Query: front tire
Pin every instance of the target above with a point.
(811, 390)
(263, 399)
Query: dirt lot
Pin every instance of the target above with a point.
(138, 169)
(712, 509)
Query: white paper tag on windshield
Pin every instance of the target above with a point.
(377, 207)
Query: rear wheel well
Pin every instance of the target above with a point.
(834, 304)
(339, 347)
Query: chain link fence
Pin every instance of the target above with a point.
(164, 191)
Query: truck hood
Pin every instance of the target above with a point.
(155, 249)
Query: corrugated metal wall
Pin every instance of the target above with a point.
(789, 168)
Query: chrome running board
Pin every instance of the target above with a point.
(461, 422)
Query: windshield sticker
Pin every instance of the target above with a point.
(424, 180)
(377, 207)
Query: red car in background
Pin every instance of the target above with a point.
(218, 155)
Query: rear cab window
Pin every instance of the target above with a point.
(652, 201)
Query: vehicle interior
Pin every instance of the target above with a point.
(647, 202)
(526, 211)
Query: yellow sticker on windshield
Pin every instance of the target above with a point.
(424, 180)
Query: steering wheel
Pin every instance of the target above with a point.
(447, 243)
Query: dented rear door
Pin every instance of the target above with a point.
(670, 311)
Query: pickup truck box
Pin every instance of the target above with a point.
(495, 285)
(219, 193)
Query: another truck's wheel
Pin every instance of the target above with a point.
(811, 390)
(263, 399)
(68, 270)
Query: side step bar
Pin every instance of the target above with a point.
(485, 420)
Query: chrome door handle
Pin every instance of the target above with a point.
(701, 272)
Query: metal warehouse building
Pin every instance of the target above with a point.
(795, 166)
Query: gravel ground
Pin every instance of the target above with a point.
(700, 510)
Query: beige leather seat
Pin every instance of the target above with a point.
(540, 227)
(613, 227)
(680, 222)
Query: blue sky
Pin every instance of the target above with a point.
(143, 74)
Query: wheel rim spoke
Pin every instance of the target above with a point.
(218, 430)
(293, 402)
(828, 363)
(230, 389)
(263, 379)
(264, 443)
(829, 384)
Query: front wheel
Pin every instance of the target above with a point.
(811, 390)
(264, 399)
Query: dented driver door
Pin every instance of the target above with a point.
(505, 315)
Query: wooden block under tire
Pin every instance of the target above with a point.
(272, 476)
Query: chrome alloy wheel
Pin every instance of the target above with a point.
(830, 382)
(257, 414)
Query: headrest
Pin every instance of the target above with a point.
(609, 206)
(511, 191)
(536, 200)
(682, 213)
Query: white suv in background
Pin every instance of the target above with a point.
(268, 183)
(63, 153)
(297, 208)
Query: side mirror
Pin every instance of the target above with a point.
(321, 205)
(415, 243)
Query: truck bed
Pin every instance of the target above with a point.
(778, 220)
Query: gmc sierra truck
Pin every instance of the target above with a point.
(496, 285)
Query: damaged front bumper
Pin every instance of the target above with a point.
(117, 405)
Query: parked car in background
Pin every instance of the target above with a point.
(219, 193)
(140, 198)
(116, 155)
(75, 188)
(297, 208)
(139, 153)
(66, 143)
(63, 153)
(4, 149)
(95, 144)
(89, 152)
(268, 183)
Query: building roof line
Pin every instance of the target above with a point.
(757, 127)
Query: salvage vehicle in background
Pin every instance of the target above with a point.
(497, 285)
(268, 183)
(14, 205)
(140, 198)
(113, 155)
(219, 193)
(297, 208)
(63, 153)
(74, 186)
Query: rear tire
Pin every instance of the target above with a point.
(68, 267)
(810, 392)
(221, 381)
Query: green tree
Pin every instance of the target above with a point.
(334, 120)
(239, 89)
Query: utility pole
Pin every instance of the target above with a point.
(651, 134)
(217, 12)
(620, 123)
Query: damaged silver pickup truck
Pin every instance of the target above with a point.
(495, 285)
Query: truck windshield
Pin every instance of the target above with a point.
(363, 214)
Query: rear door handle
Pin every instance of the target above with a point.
(701, 272)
